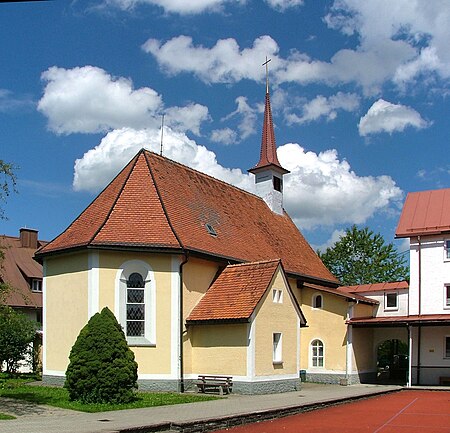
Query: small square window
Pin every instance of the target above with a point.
(391, 301)
(277, 296)
(36, 285)
(277, 184)
(447, 249)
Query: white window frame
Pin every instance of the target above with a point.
(447, 296)
(386, 308)
(318, 357)
(277, 353)
(446, 341)
(124, 272)
(38, 282)
(277, 296)
(446, 250)
(314, 299)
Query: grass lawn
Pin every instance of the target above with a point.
(3, 416)
(18, 388)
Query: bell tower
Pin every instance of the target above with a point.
(269, 172)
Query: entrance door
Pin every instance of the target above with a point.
(392, 362)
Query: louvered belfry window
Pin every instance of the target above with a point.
(135, 306)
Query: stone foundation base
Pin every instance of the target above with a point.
(342, 379)
(267, 387)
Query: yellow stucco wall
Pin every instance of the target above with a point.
(197, 277)
(219, 349)
(274, 317)
(364, 356)
(151, 359)
(326, 324)
(362, 310)
(67, 301)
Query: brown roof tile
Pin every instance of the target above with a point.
(236, 292)
(18, 269)
(156, 202)
(425, 212)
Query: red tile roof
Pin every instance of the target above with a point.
(401, 320)
(341, 293)
(18, 269)
(376, 287)
(425, 212)
(158, 203)
(236, 292)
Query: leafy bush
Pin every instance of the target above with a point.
(102, 368)
(17, 332)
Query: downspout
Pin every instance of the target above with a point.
(420, 308)
(181, 322)
(349, 340)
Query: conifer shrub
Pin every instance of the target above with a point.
(102, 368)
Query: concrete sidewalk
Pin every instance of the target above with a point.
(192, 417)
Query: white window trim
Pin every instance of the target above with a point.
(446, 249)
(313, 301)
(311, 363)
(125, 270)
(446, 287)
(277, 352)
(277, 296)
(386, 308)
(40, 285)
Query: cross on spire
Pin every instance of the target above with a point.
(266, 64)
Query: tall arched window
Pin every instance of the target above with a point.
(135, 302)
(317, 356)
(317, 301)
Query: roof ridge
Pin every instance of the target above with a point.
(259, 262)
(162, 201)
(203, 174)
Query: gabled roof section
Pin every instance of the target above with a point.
(342, 293)
(425, 213)
(158, 203)
(375, 287)
(268, 155)
(234, 295)
(18, 270)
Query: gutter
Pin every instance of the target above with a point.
(181, 322)
(420, 307)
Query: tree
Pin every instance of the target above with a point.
(17, 332)
(362, 257)
(102, 368)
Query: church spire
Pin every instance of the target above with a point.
(269, 172)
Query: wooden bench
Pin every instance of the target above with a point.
(224, 384)
(444, 381)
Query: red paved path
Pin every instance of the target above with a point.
(402, 412)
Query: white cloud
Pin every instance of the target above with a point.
(320, 190)
(322, 106)
(282, 5)
(9, 102)
(182, 7)
(335, 237)
(225, 136)
(88, 100)
(247, 115)
(223, 63)
(386, 117)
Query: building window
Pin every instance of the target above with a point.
(36, 285)
(447, 347)
(391, 301)
(317, 301)
(317, 353)
(135, 321)
(447, 296)
(135, 302)
(277, 296)
(447, 249)
(277, 184)
(277, 350)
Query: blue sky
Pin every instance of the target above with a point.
(360, 96)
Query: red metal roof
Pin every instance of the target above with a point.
(236, 292)
(425, 212)
(398, 320)
(158, 203)
(376, 287)
(18, 269)
(268, 155)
